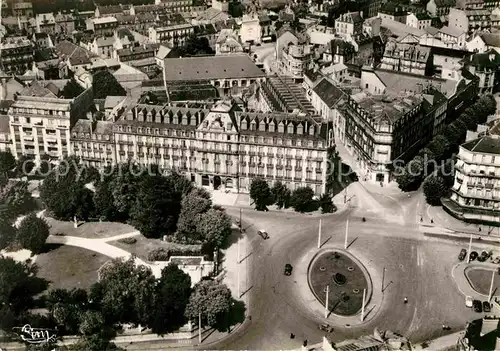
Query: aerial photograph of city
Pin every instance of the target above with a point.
(250, 175)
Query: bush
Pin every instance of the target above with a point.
(128, 241)
(163, 254)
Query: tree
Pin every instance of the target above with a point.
(32, 233)
(156, 207)
(7, 162)
(439, 146)
(124, 185)
(214, 227)
(280, 194)
(104, 202)
(193, 204)
(326, 204)
(180, 184)
(196, 46)
(18, 285)
(452, 132)
(17, 197)
(91, 322)
(434, 189)
(64, 193)
(72, 89)
(210, 299)
(95, 342)
(302, 199)
(24, 166)
(105, 84)
(45, 165)
(66, 316)
(260, 193)
(334, 168)
(125, 292)
(171, 298)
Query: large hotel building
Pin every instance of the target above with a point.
(221, 147)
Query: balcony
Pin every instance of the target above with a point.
(270, 166)
(130, 153)
(318, 170)
(122, 153)
(260, 165)
(261, 154)
(166, 157)
(298, 168)
(279, 166)
(252, 164)
(243, 163)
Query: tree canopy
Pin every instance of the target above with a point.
(302, 199)
(214, 227)
(105, 84)
(7, 162)
(434, 189)
(32, 233)
(281, 195)
(172, 296)
(260, 193)
(210, 299)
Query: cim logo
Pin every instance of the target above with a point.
(35, 335)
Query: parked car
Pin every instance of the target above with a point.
(263, 234)
(473, 255)
(486, 306)
(326, 327)
(288, 269)
(468, 301)
(484, 256)
(496, 260)
(478, 307)
(462, 254)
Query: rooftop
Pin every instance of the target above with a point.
(489, 144)
(288, 96)
(328, 92)
(102, 20)
(387, 108)
(407, 51)
(98, 127)
(211, 67)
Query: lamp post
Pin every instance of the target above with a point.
(319, 234)
(199, 327)
(363, 306)
(470, 248)
(491, 285)
(326, 301)
(346, 231)
(383, 279)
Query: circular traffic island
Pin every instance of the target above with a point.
(346, 279)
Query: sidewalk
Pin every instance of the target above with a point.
(443, 343)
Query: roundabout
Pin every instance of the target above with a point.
(344, 278)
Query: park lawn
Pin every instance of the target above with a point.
(90, 230)
(480, 279)
(144, 245)
(69, 267)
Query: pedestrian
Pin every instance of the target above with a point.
(479, 228)
(432, 221)
(421, 219)
(292, 336)
(406, 300)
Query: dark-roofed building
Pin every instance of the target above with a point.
(137, 52)
(476, 191)
(404, 57)
(229, 74)
(350, 23)
(339, 51)
(74, 55)
(392, 11)
(486, 66)
(16, 55)
(325, 97)
(111, 10)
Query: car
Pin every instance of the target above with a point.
(462, 254)
(263, 234)
(484, 256)
(288, 269)
(473, 255)
(326, 327)
(468, 301)
(478, 307)
(486, 306)
(496, 260)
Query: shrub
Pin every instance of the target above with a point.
(159, 254)
(164, 254)
(128, 241)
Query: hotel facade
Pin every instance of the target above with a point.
(220, 148)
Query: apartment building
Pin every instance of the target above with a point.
(438, 8)
(485, 66)
(476, 192)
(469, 4)
(103, 26)
(93, 141)
(296, 59)
(419, 20)
(470, 20)
(22, 9)
(406, 58)
(175, 34)
(221, 147)
(40, 122)
(379, 129)
(16, 55)
(176, 5)
(349, 24)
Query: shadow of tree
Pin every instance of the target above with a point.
(236, 315)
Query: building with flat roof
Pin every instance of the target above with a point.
(229, 74)
(16, 55)
(380, 129)
(40, 121)
(476, 192)
(283, 94)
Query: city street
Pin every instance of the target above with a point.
(416, 267)
(265, 54)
